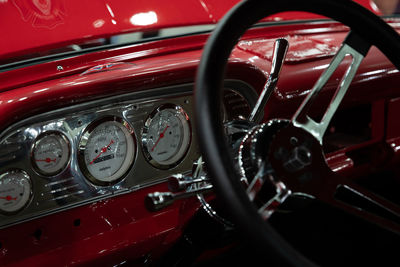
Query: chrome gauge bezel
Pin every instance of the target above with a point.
(35, 144)
(71, 188)
(186, 142)
(29, 194)
(128, 161)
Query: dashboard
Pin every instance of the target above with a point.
(100, 149)
(82, 147)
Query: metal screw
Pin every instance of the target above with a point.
(60, 68)
(293, 141)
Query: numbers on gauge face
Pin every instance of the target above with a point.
(107, 151)
(15, 191)
(50, 153)
(166, 136)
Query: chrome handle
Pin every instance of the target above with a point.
(180, 182)
(159, 200)
(278, 57)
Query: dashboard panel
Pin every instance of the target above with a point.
(100, 149)
(70, 133)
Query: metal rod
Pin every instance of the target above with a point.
(159, 200)
(278, 57)
(179, 182)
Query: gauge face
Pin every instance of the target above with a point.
(107, 150)
(166, 136)
(15, 191)
(50, 153)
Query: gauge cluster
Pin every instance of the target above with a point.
(95, 150)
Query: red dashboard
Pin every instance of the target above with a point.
(111, 225)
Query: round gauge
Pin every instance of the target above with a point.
(107, 150)
(166, 136)
(15, 191)
(50, 153)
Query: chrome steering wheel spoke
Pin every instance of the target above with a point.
(282, 193)
(326, 185)
(266, 174)
(257, 183)
(354, 47)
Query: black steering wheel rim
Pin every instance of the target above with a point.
(209, 122)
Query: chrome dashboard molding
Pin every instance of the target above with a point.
(69, 188)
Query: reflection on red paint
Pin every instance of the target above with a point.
(98, 23)
(41, 13)
(144, 18)
(301, 48)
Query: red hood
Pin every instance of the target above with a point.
(32, 25)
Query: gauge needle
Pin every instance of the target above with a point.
(8, 198)
(48, 160)
(159, 138)
(103, 150)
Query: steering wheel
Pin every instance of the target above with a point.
(290, 151)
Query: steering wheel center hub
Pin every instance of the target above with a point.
(297, 158)
(300, 157)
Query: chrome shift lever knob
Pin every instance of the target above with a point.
(278, 57)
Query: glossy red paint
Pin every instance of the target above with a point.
(302, 48)
(39, 25)
(47, 24)
(107, 233)
(174, 58)
(120, 228)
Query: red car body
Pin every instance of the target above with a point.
(120, 229)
